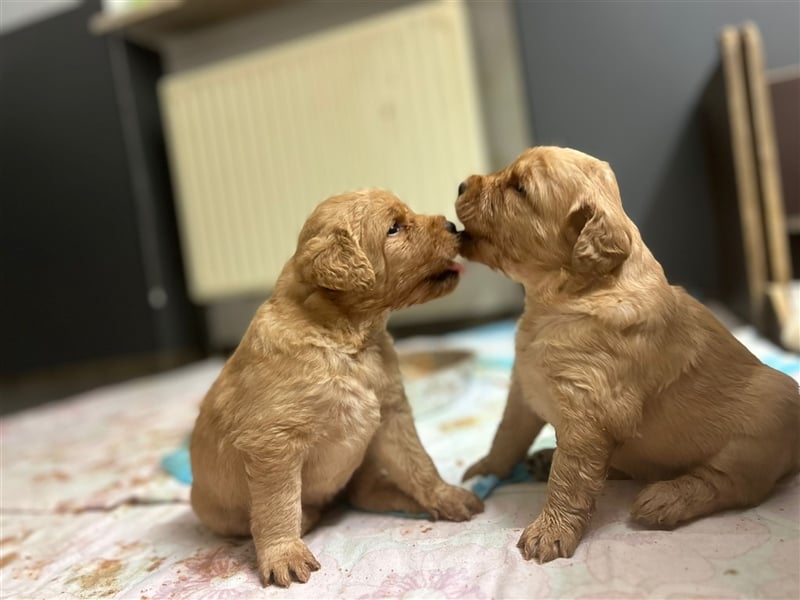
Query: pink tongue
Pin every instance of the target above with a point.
(456, 267)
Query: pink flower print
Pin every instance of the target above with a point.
(226, 572)
(451, 583)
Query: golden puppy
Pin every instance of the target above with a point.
(633, 373)
(312, 400)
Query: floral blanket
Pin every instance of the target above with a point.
(87, 511)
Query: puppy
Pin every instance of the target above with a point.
(312, 399)
(634, 374)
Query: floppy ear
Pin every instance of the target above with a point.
(602, 243)
(336, 262)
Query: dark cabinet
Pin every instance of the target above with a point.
(90, 266)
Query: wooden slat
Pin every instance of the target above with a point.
(766, 154)
(745, 171)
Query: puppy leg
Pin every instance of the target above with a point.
(224, 520)
(276, 519)
(396, 450)
(539, 463)
(579, 468)
(371, 489)
(742, 474)
(517, 430)
(219, 489)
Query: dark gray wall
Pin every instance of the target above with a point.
(623, 81)
(87, 228)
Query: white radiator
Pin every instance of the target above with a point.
(258, 140)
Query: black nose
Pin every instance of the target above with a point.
(462, 187)
(451, 227)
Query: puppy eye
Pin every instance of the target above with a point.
(520, 189)
(394, 229)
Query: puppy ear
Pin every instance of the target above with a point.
(601, 236)
(335, 261)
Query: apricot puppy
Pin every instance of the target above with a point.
(632, 372)
(312, 401)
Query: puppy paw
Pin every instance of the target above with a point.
(486, 466)
(546, 539)
(453, 503)
(279, 562)
(659, 505)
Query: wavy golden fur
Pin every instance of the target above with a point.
(635, 375)
(312, 402)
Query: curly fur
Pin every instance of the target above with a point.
(634, 374)
(311, 403)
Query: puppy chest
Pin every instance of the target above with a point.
(348, 410)
(347, 394)
(347, 424)
(350, 407)
(328, 467)
(537, 392)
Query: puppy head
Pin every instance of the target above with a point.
(368, 249)
(552, 209)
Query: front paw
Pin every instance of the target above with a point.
(453, 503)
(546, 539)
(279, 562)
(487, 466)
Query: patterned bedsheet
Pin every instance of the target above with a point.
(88, 512)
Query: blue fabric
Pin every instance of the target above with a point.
(178, 464)
(496, 362)
(486, 484)
(785, 364)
